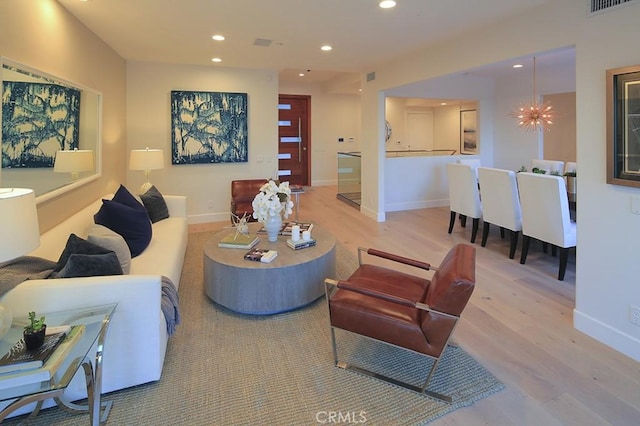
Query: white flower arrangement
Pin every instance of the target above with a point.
(271, 200)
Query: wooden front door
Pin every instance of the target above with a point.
(294, 139)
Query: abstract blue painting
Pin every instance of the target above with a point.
(208, 127)
(38, 120)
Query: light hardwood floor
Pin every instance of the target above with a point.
(518, 324)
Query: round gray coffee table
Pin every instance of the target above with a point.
(293, 279)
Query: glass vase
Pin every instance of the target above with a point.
(272, 225)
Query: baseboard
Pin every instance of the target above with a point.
(622, 342)
(415, 205)
(377, 216)
(331, 182)
(208, 217)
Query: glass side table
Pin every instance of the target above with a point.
(96, 321)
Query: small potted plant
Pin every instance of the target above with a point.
(34, 332)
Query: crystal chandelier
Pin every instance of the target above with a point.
(536, 116)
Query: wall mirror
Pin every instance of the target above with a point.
(42, 114)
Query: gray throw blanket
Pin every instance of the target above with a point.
(169, 304)
(21, 269)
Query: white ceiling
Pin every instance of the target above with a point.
(362, 34)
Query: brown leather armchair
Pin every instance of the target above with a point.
(242, 195)
(407, 311)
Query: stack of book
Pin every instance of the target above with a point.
(261, 255)
(20, 367)
(238, 240)
(301, 244)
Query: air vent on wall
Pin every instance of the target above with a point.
(262, 42)
(600, 6)
(371, 76)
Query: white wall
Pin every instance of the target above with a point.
(560, 141)
(207, 186)
(446, 132)
(428, 177)
(607, 267)
(43, 35)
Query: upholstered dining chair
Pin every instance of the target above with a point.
(464, 197)
(557, 167)
(570, 167)
(500, 204)
(545, 215)
(403, 310)
(473, 162)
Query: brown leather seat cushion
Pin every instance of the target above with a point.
(242, 194)
(381, 319)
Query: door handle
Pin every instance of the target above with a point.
(299, 142)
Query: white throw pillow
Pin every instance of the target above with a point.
(105, 237)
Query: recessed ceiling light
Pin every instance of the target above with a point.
(218, 37)
(326, 48)
(301, 74)
(518, 66)
(443, 103)
(387, 4)
(216, 60)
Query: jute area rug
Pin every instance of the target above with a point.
(222, 368)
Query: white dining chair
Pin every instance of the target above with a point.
(473, 162)
(500, 204)
(549, 166)
(545, 215)
(464, 197)
(570, 167)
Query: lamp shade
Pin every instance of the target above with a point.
(73, 161)
(18, 223)
(146, 159)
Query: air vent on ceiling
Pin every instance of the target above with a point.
(371, 76)
(600, 6)
(262, 42)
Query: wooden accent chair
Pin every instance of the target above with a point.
(242, 195)
(403, 310)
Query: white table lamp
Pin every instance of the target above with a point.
(147, 160)
(20, 233)
(74, 162)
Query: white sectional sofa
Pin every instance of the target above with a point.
(136, 342)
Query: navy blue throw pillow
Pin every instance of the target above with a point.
(132, 223)
(123, 196)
